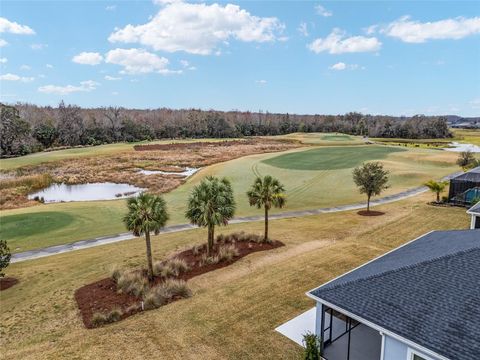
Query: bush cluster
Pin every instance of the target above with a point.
(99, 319)
(171, 267)
(162, 294)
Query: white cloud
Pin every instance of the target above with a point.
(342, 66)
(261, 82)
(111, 7)
(3, 60)
(3, 43)
(50, 66)
(303, 28)
(13, 77)
(7, 26)
(411, 31)
(337, 43)
(199, 28)
(38, 46)
(85, 86)
(475, 103)
(112, 78)
(138, 61)
(322, 11)
(187, 65)
(88, 58)
(25, 67)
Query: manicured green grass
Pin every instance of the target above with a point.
(335, 137)
(234, 310)
(306, 189)
(53, 224)
(332, 158)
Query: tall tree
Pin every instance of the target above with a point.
(371, 179)
(437, 187)
(146, 213)
(70, 124)
(4, 256)
(266, 192)
(13, 129)
(211, 203)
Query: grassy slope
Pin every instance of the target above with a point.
(233, 311)
(305, 189)
(324, 139)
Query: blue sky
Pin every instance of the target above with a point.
(399, 58)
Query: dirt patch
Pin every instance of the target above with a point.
(7, 282)
(126, 166)
(102, 296)
(370, 213)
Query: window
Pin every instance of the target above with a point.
(415, 355)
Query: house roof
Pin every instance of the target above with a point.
(426, 291)
(475, 209)
(472, 175)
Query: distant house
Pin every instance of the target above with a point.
(420, 301)
(474, 211)
(465, 188)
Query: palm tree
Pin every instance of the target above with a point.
(436, 187)
(267, 193)
(211, 203)
(146, 213)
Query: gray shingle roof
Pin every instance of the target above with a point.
(427, 291)
(471, 176)
(475, 209)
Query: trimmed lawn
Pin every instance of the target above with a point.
(234, 310)
(332, 158)
(306, 189)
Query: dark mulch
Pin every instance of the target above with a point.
(370, 213)
(7, 282)
(102, 296)
(193, 145)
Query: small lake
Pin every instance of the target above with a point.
(86, 192)
(459, 147)
(186, 173)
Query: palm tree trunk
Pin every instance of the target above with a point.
(265, 238)
(438, 196)
(149, 255)
(211, 234)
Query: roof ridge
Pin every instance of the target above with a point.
(435, 259)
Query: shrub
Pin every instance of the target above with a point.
(5, 256)
(132, 282)
(116, 273)
(197, 249)
(312, 345)
(171, 267)
(160, 295)
(227, 252)
(176, 288)
(99, 319)
(209, 260)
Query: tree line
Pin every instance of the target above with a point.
(26, 128)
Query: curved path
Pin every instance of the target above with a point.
(84, 244)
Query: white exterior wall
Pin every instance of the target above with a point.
(397, 350)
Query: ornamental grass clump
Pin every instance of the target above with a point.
(164, 293)
(132, 282)
(170, 268)
(227, 252)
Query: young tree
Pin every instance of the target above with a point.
(437, 187)
(371, 179)
(4, 257)
(266, 192)
(467, 160)
(313, 347)
(211, 203)
(146, 213)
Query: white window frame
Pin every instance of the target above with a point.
(411, 352)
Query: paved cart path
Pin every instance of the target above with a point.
(84, 244)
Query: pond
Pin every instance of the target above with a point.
(86, 192)
(186, 173)
(459, 147)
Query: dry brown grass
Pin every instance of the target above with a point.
(233, 311)
(123, 167)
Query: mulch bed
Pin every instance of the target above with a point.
(191, 145)
(102, 296)
(370, 213)
(7, 282)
